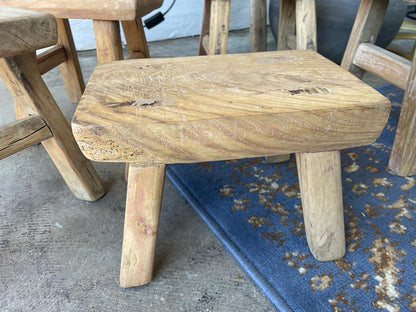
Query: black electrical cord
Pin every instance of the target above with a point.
(157, 18)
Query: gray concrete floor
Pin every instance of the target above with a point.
(58, 253)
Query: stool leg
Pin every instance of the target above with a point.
(403, 154)
(70, 69)
(321, 193)
(144, 198)
(21, 75)
(219, 24)
(108, 41)
(136, 39)
(306, 25)
(366, 28)
(287, 24)
(206, 16)
(258, 26)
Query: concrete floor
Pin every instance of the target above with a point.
(58, 253)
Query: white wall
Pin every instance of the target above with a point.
(183, 20)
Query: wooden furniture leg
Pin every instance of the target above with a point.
(70, 69)
(204, 37)
(321, 193)
(287, 25)
(21, 76)
(219, 25)
(144, 198)
(108, 41)
(136, 39)
(258, 25)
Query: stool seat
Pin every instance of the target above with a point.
(23, 31)
(117, 10)
(208, 108)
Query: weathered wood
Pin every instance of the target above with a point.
(70, 69)
(110, 10)
(108, 41)
(277, 158)
(51, 58)
(136, 39)
(387, 65)
(144, 198)
(306, 25)
(157, 111)
(18, 135)
(258, 25)
(21, 76)
(323, 213)
(403, 155)
(206, 17)
(287, 24)
(365, 30)
(219, 25)
(23, 31)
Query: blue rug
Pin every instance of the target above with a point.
(255, 210)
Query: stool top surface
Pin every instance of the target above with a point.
(266, 103)
(118, 10)
(23, 31)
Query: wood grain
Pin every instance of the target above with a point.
(23, 31)
(136, 39)
(287, 23)
(385, 64)
(306, 25)
(219, 25)
(365, 30)
(111, 10)
(144, 198)
(108, 41)
(20, 74)
(258, 25)
(18, 135)
(323, 213)
(157, 111)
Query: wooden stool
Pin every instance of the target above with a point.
(21, 33)
(160, 111)
(106, 15)
(362, 55)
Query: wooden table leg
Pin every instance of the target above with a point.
(136, 39)
(321, 193)
(108, 41)
(70, 69)
(20, 74)
(144, 198)
(258, 25)
(219, 26)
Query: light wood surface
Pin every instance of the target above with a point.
(158, 111)
(49, 59)
(258, 26)
(323, 213)
(219, 25)
(111, 10)
(144, 197)
(306, 25)
(23, 31)
(385, 64)
(136, 39)
(287, 23)
(70, 69)
(18, 135)
(365, 30)
(20, 74)
(108, 41)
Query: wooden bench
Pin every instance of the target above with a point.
(21, 33)
(160, 111)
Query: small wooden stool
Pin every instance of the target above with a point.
(21, 33)
(106, 15)
(362, 55)
(160, 111)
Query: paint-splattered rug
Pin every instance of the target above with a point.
(255, 209)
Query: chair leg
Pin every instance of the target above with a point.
(321, 193)
(144, 198)
(366, 28)
(258, 26)
(206, 17)
(287, 24)
(219, 25)
(21, 75)
(108, 41)
(136, 39)
(403, 155)
(306, 25)
(70, 69)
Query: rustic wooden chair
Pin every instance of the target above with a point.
(21, 33)
(362, 55)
